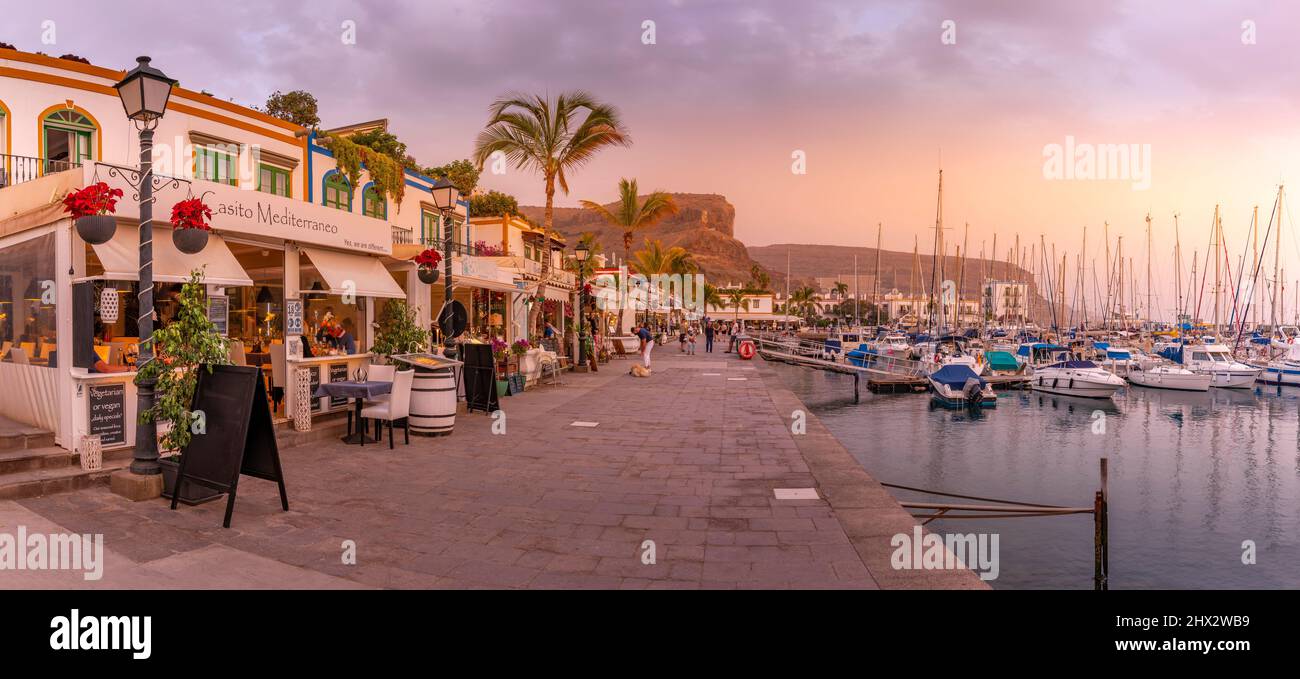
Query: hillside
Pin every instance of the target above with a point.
(704, 226)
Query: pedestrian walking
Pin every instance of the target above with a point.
(708, 338)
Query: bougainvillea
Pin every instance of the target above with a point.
(96, 199)
(429, 259)
(191, 213)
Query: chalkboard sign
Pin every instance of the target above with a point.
(219, 313)
(480, 377)
(314, 372)
(292, 317)
(338, 373)
(515, 385)
(242, 440)
(108, 413)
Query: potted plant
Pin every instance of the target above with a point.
(501, 352)
(186, 345)
(527, 359)
(190, 221)
(93, 208)
(427, 263)
(398, 331)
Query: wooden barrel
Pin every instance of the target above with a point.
(433, 402)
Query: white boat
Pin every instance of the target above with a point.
(1075, 378)
(1284, 370)
(1168, 376)
(1216, 361)
(894, 344)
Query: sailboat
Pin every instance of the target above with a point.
(1285, 369)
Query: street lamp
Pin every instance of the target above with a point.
(581, 253)
(445, 197)
(144, 93)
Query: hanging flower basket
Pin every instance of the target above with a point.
(93, 208)
(428, 262)
(191, 228)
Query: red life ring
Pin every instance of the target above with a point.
(746, 350)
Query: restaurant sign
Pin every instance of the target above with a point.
(237, 210)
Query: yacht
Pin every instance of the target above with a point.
(1216, 361)
(1285, 369)
(1075, 378)
(1168, 376)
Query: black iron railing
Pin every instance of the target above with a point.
(19, 169)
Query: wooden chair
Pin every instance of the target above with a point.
(237, 356)
(377, 373)
(397, 407)
(18, 355)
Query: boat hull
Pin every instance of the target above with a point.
(1232, 379)
(1283, 375)
(1081, 388)
(1174, 381)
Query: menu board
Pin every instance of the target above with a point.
(219, 313)
(108, 413)
(338, 373)
(292, 317)
(314, 372)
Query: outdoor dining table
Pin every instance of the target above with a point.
(358, 392)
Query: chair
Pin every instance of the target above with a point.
(554, 364)
(237, 353)
(619, 349)
(104, 352)
(29, 349)
(397, 407)
(19, 356)
(4, 348)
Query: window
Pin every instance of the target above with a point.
(373, 204)
(337, 193)
(429, 230)
(273, 180)
(67, 135)
(28, 315)
(215, 165)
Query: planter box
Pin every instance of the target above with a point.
(191, 493)
(503, 388)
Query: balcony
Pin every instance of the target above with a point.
(19, 169)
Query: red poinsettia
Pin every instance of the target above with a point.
(191, 213)
(429, 259)
(96, 199)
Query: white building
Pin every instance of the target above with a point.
(1006, 301)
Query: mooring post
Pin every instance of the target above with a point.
(1105, 524)
(1096, 542)
(855, 387)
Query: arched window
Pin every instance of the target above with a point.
(373, 204)
(67, 136)
(336, 192)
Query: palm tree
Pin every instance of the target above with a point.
(631, 215)
(712, 298)
(737, 299)
(546, 136)
(759, 279)
(654, 259)
(804, 300)
(841, 289)
(587, 268)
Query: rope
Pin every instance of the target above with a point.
(970, 497)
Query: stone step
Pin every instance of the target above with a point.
(23, 459)
(24, 438)
(38, 482)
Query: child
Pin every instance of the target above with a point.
(681, 337)
(690, 342)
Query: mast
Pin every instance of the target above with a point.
(1178, 276)
(1150, 319)
(1105, 316)
(856, 319)
(1214, 246)
(1082, 281)
(1254, 265)
(937, 289)
(1277, 260)
(961, 274)
(875, 285)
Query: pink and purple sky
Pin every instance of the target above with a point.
(868, 90)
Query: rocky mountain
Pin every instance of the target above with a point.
(704, 225)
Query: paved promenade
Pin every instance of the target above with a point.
(688, 459)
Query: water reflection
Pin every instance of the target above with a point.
(1192, 476)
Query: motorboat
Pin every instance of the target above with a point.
(1285, 369)
(1216, 361)
(949, 350)
(895, 344)
(1075, 378)
(1036, 354)
(957, 386)
(837, 341)
(1168, 376)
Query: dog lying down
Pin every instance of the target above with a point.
(640, 371)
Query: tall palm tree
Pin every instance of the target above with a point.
(551, 137)
(841, 289)
(587, 268)
(737, 299)
(804, 300)
(759, 279)
(655, 259)
(631, 215)
(712, 298)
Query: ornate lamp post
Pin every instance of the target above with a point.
(144, 93)
(445, 197)
(581, 254)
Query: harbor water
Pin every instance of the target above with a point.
(1193, 476)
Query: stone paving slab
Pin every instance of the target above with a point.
(680, 466)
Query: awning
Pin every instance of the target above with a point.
(120, 257)
(358, 275)
(483, 283)
(556, 294)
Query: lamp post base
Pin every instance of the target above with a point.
(136, 487)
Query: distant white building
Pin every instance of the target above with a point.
(1006, 301)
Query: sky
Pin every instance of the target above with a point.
(873, 96)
